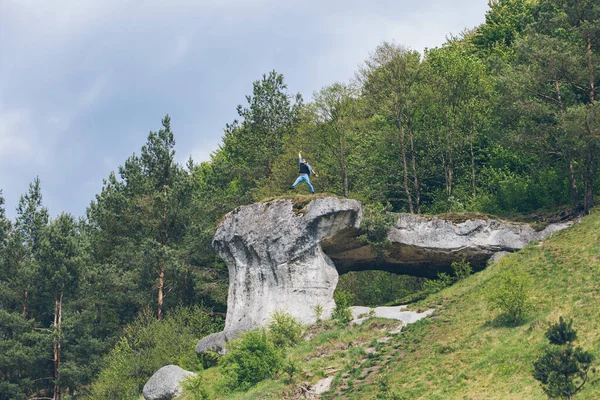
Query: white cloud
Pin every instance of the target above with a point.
(199, 154)
(18, 137)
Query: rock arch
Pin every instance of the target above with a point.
(287, 255)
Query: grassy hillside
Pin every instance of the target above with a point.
(462, 352)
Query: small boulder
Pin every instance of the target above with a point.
(165, 384)
(216, 341)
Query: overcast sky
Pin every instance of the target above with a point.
(82, 82)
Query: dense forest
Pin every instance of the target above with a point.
(502, 119)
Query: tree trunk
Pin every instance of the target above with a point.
(161, 266)
(572, 177)
(588, 183)
(591, 69)
(450, 174)
(343, 163)
(25, 298)
(415, 175)
(56, 344)
(473, 171)
(573, 181)
(401, 135)
(161, 286)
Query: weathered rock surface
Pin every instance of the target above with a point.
(286, 256)
(424, 246)
(360, 314)
(165, 384)
(216, 341)
(275, 261)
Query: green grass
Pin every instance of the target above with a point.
(461, 352)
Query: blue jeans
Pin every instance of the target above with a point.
(305, 178)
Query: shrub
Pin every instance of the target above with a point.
(510, 292)
(462, 269)
(146, 346)
(435, 285)
(376, 224)
(285, 330)
(250, 359)
(291, 368)
(562, 369)
(318, 312)
(341, 313)
(197, 388)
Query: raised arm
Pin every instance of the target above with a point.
(299, 157)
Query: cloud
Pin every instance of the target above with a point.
(198, 154)
(18, 137)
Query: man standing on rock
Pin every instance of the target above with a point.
(305, 171)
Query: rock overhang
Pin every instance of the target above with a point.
(286, 255)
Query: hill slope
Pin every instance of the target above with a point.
(462, 352)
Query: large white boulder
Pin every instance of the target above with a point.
(165, 384)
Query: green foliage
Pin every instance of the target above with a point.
(291, 367)
(250, 359)
(374, 288)
(146, 346)
(563, 369)
(376, 224)
(318, 312)
(285, 330)
(561, 333)
(24, 354)
(384, 389)
(462, 269)
(510, 293)
(503, 119)
(435, 285)
(342, 313)
(197, 388)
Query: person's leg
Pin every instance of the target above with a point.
(297, 182)
(307, 180)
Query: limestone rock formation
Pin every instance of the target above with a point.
(424, 246)
(165, 384)
(287, 256)
(275, 261)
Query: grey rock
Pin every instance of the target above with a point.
(286, 256)
(165, 384)
(361, 314)
(275, 261)
(216, 341)
(425, 246)
(497, 256)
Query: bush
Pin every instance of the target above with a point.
(510, 293)
(197, 388)
(462, 269)
(146, 346)
(250, 359)
(341, 313)
(376, 224)
(318, 312)
(435, 285)
(285, 330)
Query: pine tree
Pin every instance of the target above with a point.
(563, 370)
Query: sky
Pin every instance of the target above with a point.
(82, 82)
